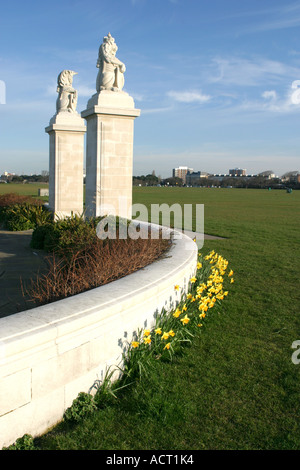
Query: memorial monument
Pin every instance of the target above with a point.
(66, 151)
(109, 116)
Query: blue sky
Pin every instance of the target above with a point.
(216, 80)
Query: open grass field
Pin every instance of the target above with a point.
(236, 386)
(30, 189)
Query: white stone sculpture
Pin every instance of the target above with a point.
(67, 95)
(111, 69)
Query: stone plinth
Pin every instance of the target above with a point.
(109, 153)
(66, 154)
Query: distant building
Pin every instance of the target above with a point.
(269, 174)
(194, 178)
(6, 176)
(295, 178)
(291, 177)
(181, 172)
(237, 172)
(218, 177)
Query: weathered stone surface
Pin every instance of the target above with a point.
(109, 153)
(66, 151)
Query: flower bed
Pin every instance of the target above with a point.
(172, 330)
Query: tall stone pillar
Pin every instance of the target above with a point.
(66, 152)
(109, 154)
(110, 115)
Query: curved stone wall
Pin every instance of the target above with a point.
(51, 353)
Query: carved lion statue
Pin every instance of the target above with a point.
(67, 95)
(111, 69)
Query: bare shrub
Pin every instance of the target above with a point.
(102, 262)
(10, 199)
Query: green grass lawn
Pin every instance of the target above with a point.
(236, 386)
(26, 189)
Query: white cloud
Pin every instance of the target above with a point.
(249, 72)
(273, 103)
(269, 95)
(157, 110)
(188, 96)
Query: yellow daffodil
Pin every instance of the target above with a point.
(147, 332)
(189, 296)
(203, 307)
(230, 274)
(171, 333)
(147, 340)
(135, 344)
(177, 287)
(193, 279)
(167, 346)
(231, 280)
(184, 308)
(165, 336)
(202, 315)
(199, 265)
(158, 331)
(199, 324)
(177, 313)
(185, 320)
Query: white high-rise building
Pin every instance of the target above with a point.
(181, 172)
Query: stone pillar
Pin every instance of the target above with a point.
(66, 154)
(109, 153)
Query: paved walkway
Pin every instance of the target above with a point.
(19, 264)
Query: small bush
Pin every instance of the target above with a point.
(39, 235)
(18, 222)
(81, 407)
(24, 216)
(64, 237)
(70, 236)
(23, 443)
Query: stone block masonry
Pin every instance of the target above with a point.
(66, 152)
(109, 153)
